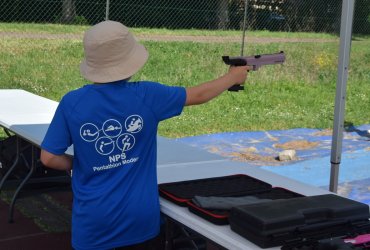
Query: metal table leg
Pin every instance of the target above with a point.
(32, 169)
(10, 170)
(169, 234)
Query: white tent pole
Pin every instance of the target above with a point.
(343, 64)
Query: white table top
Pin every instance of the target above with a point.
(26, 114)
(29, 116)
(21, 107)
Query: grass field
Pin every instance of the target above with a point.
(300, 93)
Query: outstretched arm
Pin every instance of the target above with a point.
(58, 162)
(206, 91)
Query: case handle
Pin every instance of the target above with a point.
(322, 225)
(316, 215)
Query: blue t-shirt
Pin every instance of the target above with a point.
(113, 129)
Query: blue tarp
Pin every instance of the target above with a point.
(313, 148)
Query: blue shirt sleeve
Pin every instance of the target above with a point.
(57, 138)
(165, 101)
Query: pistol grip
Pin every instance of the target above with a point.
(236, 88)
(234, 61)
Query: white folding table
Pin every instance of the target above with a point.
(28, 116)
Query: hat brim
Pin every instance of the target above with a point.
(133, 63)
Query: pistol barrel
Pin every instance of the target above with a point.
(256, 61)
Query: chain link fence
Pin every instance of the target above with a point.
(273, 15)
(210, 21)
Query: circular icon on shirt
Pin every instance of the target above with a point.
(104, 145)
(89, 132)
(112, 128)
(134, 124)
(125, 142)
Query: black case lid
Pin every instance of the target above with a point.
(231, 185)
(299, 214)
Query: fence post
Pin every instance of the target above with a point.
(107, 10)
(244, 26)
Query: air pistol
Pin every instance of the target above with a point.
(255, 62)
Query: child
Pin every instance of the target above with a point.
(112, 125)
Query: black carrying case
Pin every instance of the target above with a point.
(282, 222)
(351, 240)
(238, 185)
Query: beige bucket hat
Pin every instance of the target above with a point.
(111, 53)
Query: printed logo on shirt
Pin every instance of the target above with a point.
(125, 142)
(104, 145)
(111, 136)
(89, 132)
(112, 128)
(134, 124)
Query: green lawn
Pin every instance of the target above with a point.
(299, 93)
